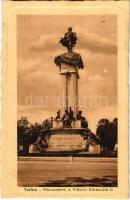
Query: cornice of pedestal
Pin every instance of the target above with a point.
(67, 69)
(64, 72)
(72, 59)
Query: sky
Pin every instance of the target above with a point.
(38, 77)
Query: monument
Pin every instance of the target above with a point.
(69, 63)
(68, 131)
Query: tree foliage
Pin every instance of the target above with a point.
(28, 133)
(107, 134)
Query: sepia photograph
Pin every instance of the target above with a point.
(67, 101)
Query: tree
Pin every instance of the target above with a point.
(23, 133)
(115, 122)
(22, 125)
(107, 134)
(23, 122)
(32, 133)
(35, 129)
(42, 139)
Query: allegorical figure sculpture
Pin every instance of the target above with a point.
(69, 40)
(58, 115)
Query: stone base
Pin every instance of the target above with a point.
(66, 139)
(95, 149)
(59, 124)
(76, 124)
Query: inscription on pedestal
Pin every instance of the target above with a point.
(65, 142)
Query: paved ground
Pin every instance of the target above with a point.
(79, 172)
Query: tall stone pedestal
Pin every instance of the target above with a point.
(65, 139)
(69, 63)
(69, 88)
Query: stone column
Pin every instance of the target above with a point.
(72, 92)
(69, 88)
(63, 93)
